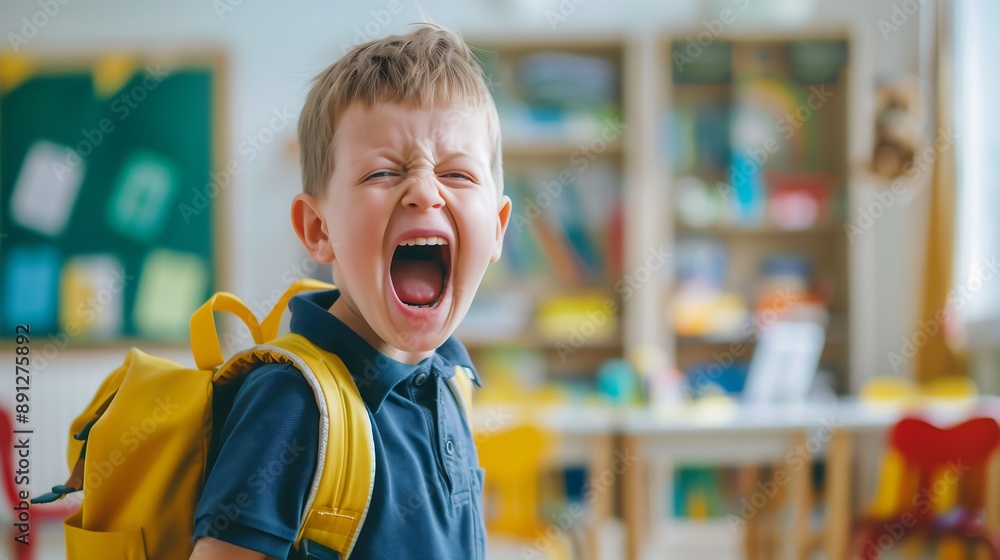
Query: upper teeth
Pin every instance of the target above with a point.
(424, 241)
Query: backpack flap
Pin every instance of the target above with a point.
(144, 464)
(143, 444)
(80, 428)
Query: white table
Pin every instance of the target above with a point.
(746, 435)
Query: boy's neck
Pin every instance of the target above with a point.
(348, 314)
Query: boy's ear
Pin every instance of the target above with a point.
(502, 221)
(310, 226)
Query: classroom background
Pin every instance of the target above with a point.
(749, 239)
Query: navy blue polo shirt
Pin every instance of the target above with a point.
(427, 496)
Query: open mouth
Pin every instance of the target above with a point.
(419, 270)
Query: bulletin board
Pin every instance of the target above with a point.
(107, 196)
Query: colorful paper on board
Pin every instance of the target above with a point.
(46, 188)
(91, 302)
(143, 196)
(30, 276)
(171, 287)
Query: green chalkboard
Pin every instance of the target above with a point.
(100, 235)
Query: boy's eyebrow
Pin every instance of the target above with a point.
(387, 153)
(470, 162)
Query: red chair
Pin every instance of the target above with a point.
(39, 514)
(942, 489)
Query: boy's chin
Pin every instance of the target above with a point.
(416, 342)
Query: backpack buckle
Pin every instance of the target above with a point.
(311, 550)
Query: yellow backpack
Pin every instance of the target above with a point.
(139, 450)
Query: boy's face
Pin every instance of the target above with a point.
(412, 218)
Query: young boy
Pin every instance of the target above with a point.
(403, 196)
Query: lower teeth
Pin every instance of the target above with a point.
(423, 305)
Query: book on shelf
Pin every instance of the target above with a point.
(566, 233)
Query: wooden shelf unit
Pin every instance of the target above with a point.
(532, 160)
(647, 174)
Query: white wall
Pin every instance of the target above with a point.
(274, 50)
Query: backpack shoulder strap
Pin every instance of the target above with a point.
(462, 388)
(341, 489)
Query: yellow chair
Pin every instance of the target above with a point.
(958, 387)
(903, 391)
(888, 389)
(515, 461)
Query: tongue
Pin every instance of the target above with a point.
(417, 282)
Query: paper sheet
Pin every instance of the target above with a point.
(91, 302)
(172, 285)
(143, 196)
(46, 188)
(30, 276)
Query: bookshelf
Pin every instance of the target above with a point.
(592, 199)
(753, 143)
(562, 109)
(755, 132)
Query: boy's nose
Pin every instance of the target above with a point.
(422, 194)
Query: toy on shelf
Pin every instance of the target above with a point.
(785, 291)
(702, 306)
(618, 383)
(664, 384)
(578, 320)
(698, 206)
(798, 200)
(899, 121)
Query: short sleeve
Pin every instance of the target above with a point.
(264, 465)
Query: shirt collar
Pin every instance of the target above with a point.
(374, 373)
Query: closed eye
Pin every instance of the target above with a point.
(378, 175)
(457, 175)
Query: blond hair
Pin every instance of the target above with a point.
(425, 67)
